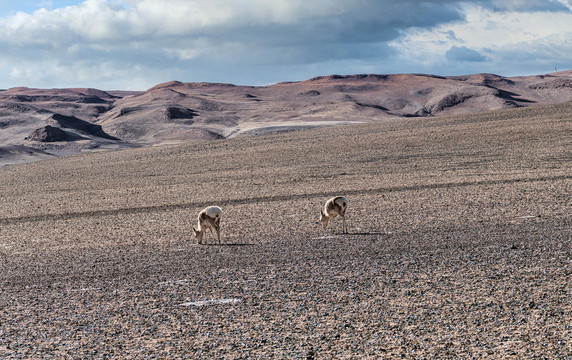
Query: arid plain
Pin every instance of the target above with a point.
(459, 245)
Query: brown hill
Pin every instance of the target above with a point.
(176, 112)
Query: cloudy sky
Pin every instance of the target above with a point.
(135, 44)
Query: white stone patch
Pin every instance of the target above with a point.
(527, 216)
(85, 289)
(175, 282)
(212, 302)
(181, 282)
(326, 237)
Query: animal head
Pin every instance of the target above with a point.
(198, 235)
(323, 218)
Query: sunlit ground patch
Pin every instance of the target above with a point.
(212, 302)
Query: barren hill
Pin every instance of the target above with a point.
(176, 112)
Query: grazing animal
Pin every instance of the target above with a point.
(334, 207)
(209, 218)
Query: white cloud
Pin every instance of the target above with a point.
(506, 37)
(117, 43)
(104, 20)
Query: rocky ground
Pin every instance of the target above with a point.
(459, 245)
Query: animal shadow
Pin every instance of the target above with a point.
(366, 233)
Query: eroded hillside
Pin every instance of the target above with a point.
(68, 121)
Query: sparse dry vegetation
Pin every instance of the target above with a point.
(459, 245)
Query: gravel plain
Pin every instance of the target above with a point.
(459, 245)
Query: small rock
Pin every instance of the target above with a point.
(47, 133)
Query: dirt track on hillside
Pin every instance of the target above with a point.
(459, 245)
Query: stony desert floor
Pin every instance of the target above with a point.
(459, 245)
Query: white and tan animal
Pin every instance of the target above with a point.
(334, 207)
(209, 218)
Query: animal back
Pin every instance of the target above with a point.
(341, 203)
(214, 212)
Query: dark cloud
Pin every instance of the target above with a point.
(371, 21)
(463, 53)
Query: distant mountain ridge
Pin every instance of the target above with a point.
(175, 112)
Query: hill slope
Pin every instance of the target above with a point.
(178, 112)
